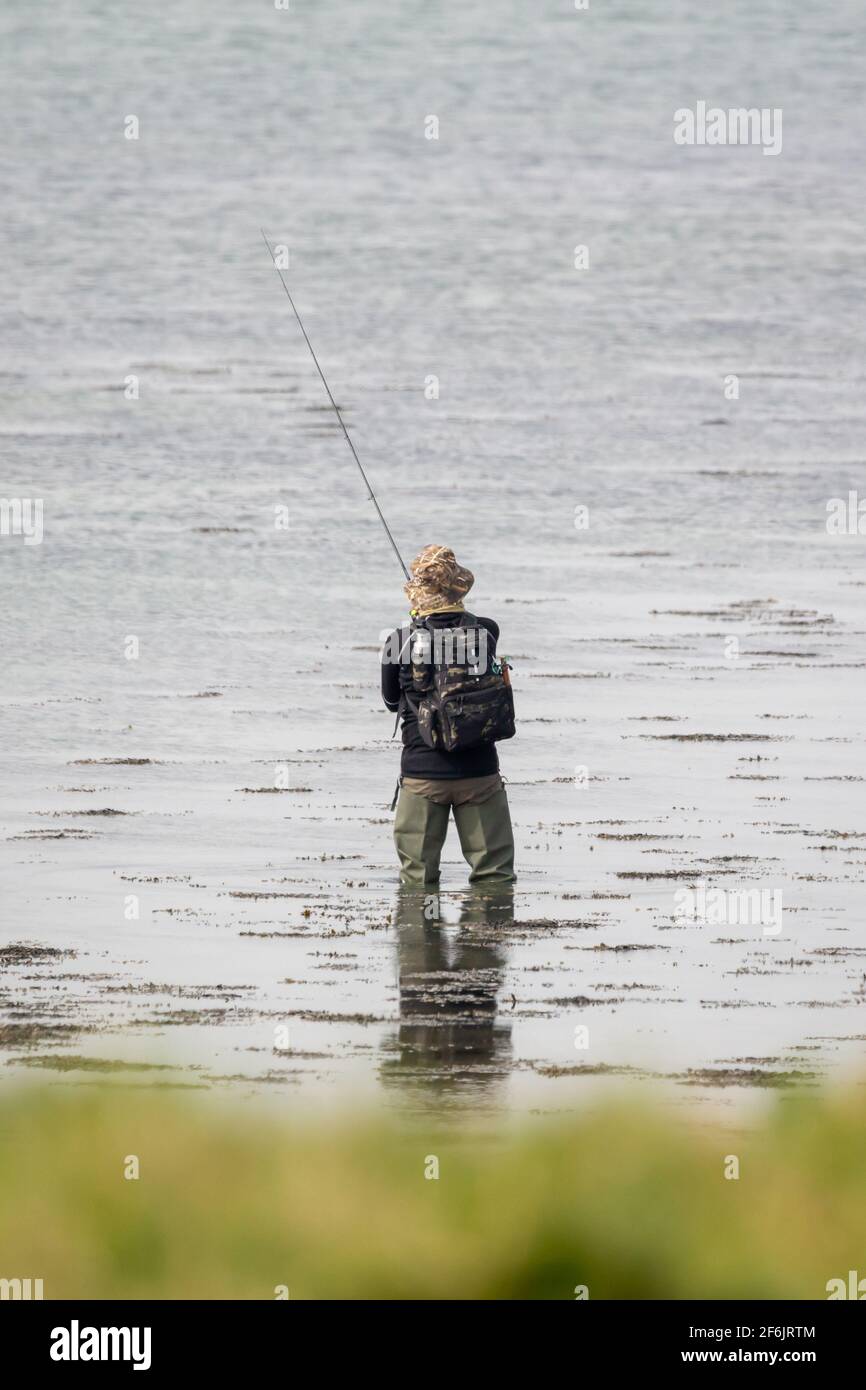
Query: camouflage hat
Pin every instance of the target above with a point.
(437, 580)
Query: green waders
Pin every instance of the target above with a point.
(484, 828)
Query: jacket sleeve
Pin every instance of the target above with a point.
(391, 673)
(492, 628)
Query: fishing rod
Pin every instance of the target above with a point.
(370, 491)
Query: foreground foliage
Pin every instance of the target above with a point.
(231, 1204)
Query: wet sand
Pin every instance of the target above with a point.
(273, 954)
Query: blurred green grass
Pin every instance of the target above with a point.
(232, 1203)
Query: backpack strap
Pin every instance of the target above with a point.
(402, 700)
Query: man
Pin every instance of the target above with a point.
(434, 782)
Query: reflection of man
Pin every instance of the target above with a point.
(449, 1038)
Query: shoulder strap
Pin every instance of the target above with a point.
(403, 701)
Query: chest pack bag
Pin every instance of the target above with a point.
(460, 693)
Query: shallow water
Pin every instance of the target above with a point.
(558, 388)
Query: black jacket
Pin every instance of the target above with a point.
(418, 760)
